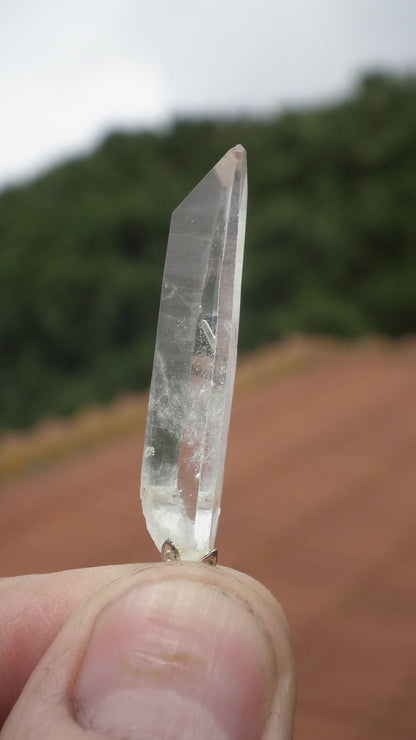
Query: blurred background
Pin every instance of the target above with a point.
(110, 113)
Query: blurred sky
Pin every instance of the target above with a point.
(71, 71)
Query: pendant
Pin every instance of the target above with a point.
(194, 364)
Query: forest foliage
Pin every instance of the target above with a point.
(331, 243)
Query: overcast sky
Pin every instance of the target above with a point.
(72, 70)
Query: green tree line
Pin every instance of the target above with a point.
(331, 243)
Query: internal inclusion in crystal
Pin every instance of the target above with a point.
(194, 368)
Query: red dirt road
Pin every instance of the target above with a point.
(319, 504)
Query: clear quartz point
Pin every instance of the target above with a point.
(195, 359)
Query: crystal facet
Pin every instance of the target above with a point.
(195, 359)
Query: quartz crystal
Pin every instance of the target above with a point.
(195, 359)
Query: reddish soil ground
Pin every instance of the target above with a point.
(319, 504)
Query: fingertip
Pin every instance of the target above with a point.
(169, 642)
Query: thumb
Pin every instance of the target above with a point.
(175, 651)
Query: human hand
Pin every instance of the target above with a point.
(169, 651)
